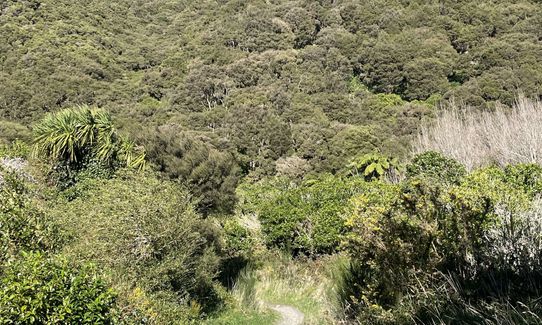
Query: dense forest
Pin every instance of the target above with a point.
(214, 161)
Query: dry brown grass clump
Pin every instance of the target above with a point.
(503, 136)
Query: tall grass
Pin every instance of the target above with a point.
(312, 286)
(303, 284)
(504, 136)
(446, 302)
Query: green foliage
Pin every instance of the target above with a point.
(307, 218)
(146, 232)
(475, 205)
(211, 175)
(356, 86)
(37, 289)
(399, 236)
(436, 166)
(240, 245)
(525, 176)
(12, 131)
(238, 240)
(16, 149)
(23, 227)
(414, 63)
(253, 195)
(79, 134)
(373, 166)
(349, 142)
(262, 88)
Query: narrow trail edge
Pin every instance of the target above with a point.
(289, 315)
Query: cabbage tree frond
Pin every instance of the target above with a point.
(73, 133)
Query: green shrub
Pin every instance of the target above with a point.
(400, 235)
(526, 176)
(12, 131)
(238, 239)
(23, 227)
(72, 134)
(374, 166)
(391, 236)
(252, 196)
(434, 165)
(146, 232)
(308, 218)
(15, 149)
(474, 208)
(40, 290)
(75, 139)
(239, 247)
(210, 175)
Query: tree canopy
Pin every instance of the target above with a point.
(268, 80)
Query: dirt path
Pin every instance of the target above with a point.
(289, 315)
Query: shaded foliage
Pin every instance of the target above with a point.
(211, 175)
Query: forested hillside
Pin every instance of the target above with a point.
(319, 80)
(189, 161)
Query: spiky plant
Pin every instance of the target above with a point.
(75, 134)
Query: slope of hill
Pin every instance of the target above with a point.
(334, 77)
(179, 161)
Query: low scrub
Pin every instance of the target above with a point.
(415, 242)
(37, 289)
(23, 226)
(306, 218)
(146, 233)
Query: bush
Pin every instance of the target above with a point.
(391, 236)
(374, 166)
(252, 196)
(400, 236)
(211, 175)
(436, 166)
(146, 232)
(23, 227)
(15, 149)
(44, 290)
(78, 138)
(474, 206)
(12, 131)
(514, 245)
(526, 176)
(308, 218)
(237, 238)
(239, 247)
